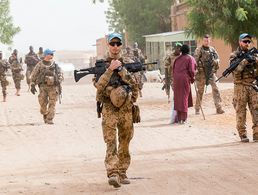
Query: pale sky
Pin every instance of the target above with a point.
(58, 24)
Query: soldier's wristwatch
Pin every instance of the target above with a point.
(119, 68)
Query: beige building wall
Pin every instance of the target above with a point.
(101, 47)
(178, 16)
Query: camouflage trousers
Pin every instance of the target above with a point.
(4, 83)
(200, 83)
(139, 81)
(245, 95)
(28, 73)
(117, 122)
(47, 99)
(17, 77)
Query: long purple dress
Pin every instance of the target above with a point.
(183, 75)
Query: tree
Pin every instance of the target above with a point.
(139, 17)
(223, 19)
(7, 29)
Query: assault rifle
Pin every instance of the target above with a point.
(249, 56)
(101, 66)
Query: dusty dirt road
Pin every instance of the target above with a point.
(201, 157)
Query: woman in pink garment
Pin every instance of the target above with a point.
(183, 75)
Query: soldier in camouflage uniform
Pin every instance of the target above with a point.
(3, 69)
(244, 89)
(31, 59)
(168, 66)
(116, 90)
(128, 56)
(16, 68)
(138, 57)
(40, 53)
(207, 65)
(48, 76)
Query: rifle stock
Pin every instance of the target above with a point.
(78, 74)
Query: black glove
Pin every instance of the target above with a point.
(33, 89)
(250, 58)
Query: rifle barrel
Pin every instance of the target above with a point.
(150, 63)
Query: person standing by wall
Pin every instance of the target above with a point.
(183, 75)
(168, 66)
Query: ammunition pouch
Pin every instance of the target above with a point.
(21, 76)
(50, 80)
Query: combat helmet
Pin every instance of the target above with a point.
(120, 95)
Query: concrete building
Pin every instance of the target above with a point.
(101, 48)
(158, 45)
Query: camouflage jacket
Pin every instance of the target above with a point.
(45, 69)
(40, 56)
(111, 79)
(4, 66)
(31, 59)
(128, 57)
(15, 64)
(205, 55)
(138, 56)
(245, 72)
(168, 64)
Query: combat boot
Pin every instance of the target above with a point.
(17, 92)
(113, 180)
(124, 179)
(220, 111)
(45, 118)
(50, 122)
(244, 139)
(140, 92)
(197, 111)
(255, 137)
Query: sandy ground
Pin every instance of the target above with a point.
(201, 157)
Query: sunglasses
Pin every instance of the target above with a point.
(246, 41)
(115, 43)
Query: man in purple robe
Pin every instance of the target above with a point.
(183, 75)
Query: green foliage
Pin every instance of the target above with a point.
(7, 29)
(241, 14)
(139, 17)
(224, 19)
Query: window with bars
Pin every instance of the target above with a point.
(191, 43)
